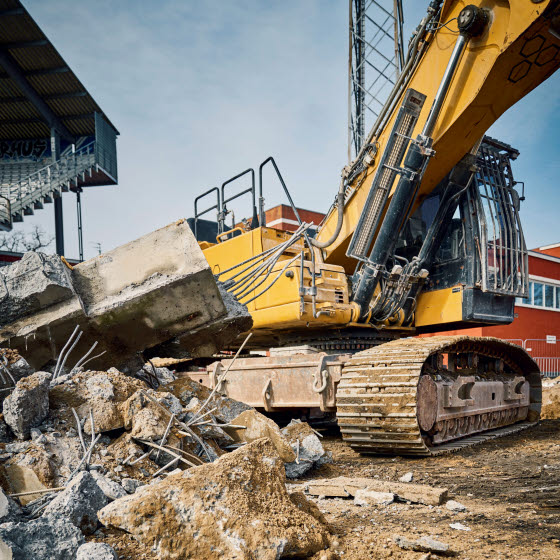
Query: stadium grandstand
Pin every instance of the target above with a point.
(54, 137)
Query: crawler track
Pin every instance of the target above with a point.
(377, 395)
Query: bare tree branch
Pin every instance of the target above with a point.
(19, 242)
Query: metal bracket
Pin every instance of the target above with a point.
(320, 381)
(215, 375)
(451, 392)
(267, 395)
(513, 390)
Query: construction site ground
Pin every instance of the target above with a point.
(510, 487)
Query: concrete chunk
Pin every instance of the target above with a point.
(367, 497)
(79, 503)
(422, 544)
(306, 446)
(257, 426)
(112, 490)
(96, 551)
(452, 505)
(28, 404)
(32, 283)
(40, 539)
(236, 507)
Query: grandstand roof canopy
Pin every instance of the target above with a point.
(38, 90)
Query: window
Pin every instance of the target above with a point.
(538, 293)
(548, 296)
(541, 295)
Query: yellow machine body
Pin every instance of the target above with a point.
(519, 49)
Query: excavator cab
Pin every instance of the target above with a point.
(482, 253)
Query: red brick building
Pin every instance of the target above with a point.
(282, 217)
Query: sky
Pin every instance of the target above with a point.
(200, 91)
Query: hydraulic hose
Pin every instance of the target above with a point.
(340, 219)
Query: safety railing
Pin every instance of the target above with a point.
(545, 351)
(5, 214)
(503, 253)
(55, 177)
(217, 207)
(257, 207)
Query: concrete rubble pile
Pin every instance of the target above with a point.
(185, 470)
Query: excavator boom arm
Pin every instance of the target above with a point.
(481, 73)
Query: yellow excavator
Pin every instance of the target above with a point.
(424, 236)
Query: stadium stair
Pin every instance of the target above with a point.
(29, 194)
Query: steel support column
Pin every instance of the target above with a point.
(80, 229)
(58, 214)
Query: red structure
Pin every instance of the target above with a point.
(8, 257)
(282, 217)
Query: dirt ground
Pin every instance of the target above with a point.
(510, 486)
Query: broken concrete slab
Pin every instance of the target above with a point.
(344, 487)
(96, 551)
(40, 539)
(422, 544)
(212, 337)
(28, 404)
(29, 285)
(135, 297)
(79, 503)
(367, 497)
(254, 426)
(184, 516)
